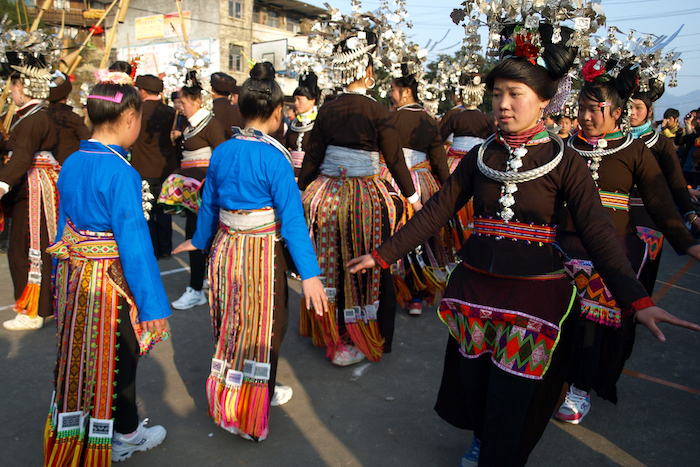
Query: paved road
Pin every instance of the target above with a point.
(378, 414)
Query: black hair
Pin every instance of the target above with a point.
(672, 113)
(260, 94)
(102, 112)
(192, 90)
(656, 90)
(174, 95)
(308, 87)
(562, 116)
(617, 90)
(408, 80)
(558, 59)
(122, 66)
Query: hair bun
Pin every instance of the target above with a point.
(263, 71)
(626, 81)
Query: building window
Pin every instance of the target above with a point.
(235, 9)
(272, 18)
(293, 24)
(235, 57)
(257, 17)
(61, 4)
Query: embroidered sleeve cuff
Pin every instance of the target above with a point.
(639, 305)
(4, 186)
(413, 198)
(378, 259)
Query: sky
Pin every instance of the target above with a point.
(431, 22)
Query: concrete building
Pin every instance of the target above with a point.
(225, 31)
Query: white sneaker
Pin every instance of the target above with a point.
(190, 299)
(143, 440)
(23, 323)
(282, 395)
(575, 406)
(347, 355)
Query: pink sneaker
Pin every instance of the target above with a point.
(575, 406)
(347, 355)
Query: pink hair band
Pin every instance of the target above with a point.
(117, 99)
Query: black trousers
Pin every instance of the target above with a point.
(198, 260)
(160, 224)
(126, 416)
(498, 404)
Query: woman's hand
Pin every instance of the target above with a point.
(361, 263)
(694, 250)
(184, 246)
(651, 315)
(2, 192)
(417, 206)
(315, 295)
(157, 326)
(174, 135)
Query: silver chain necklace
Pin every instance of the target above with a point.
(511, 177)
(597, 155)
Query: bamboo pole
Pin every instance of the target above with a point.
(72, 57)
(19, 15)
(26, 16)
(63, 25)
(118, 18)
(182, 21)
(46, 6)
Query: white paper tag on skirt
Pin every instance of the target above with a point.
(101, 428)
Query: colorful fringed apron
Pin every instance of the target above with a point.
(180, 191)
(597, 302)
(344, 206)
(423, 272)
(517, 320)
(90, 289)
(242, 278)
(653, 238)
(43, 204)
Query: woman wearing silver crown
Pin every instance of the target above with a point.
(29, 195)
(617, 163)
(507, 304)
(350, 208)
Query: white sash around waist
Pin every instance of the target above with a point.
(197, 155)
(348, 162)
(465, 143)
(413, 157)
(247, 220)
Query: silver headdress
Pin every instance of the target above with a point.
(32, 55)
(347, 44)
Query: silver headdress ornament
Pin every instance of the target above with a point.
(347, 44)
(644, 50)
(300, 63)
(34, 55)
(178, 71)
(586, 15)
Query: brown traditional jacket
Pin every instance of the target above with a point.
(419, 131)
(357, 122)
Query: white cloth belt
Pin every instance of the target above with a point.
(413, 157)
(197, 154)
(465, 143)
(355, 162)
(237, 220)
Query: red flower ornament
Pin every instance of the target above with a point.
(592, 69)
